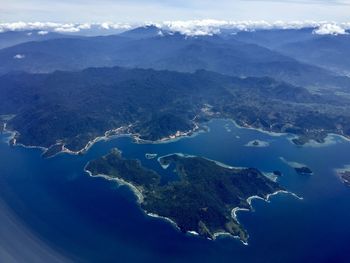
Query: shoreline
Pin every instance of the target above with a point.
(124, 131)
(249, 200)
(248, 127)
(329, 140)
(269, 175)
(343, 137)
(198, 128)
(120, 182)
(265, 199)
(139, 196)
(339, 172)
(138, 193)
(311, 143)
(12, 138)
(257, 144)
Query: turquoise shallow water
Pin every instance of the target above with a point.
(51, 207)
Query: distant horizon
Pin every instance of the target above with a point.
(186, 27)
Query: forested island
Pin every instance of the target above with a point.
(200, 200)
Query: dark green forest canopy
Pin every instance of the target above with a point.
(200, 200)
(72, 108)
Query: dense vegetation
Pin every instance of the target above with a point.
(200, 200)
(72, 108)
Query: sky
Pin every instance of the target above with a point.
(133, 11)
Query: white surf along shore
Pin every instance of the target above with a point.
(11, 139)
(110, 134)
(135, 190)
(329, 139)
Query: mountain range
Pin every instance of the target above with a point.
(243, 54)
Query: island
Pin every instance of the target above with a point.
(150, 156)
(344, 174)
(304, 170)
(202, 200)
(300, 168)
(257, 143)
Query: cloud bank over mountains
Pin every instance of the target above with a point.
(210, 27)
(60, 27)
(189, 27)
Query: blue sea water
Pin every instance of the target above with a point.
(51, 210)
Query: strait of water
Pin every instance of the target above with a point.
(52, 211)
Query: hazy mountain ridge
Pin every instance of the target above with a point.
(12, 38)
(327, 51)
(146, 48)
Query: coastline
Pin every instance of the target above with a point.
(328, 140)
(257, 144)
(11, 140)
(125, 131)
(249, 200)
(269, 175)
(340, 174)
(248, 127)
(266, 199)
(138, 193)
(343, 137)
(110, 134)
(140, 198)
(120, 182)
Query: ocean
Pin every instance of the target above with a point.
(52, 211)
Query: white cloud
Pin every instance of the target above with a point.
(187, 27)
(111, 25)
(84, 26)
(330, 29)
(19, 56)
(63, 29)
(210, 27)
(43, 32)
